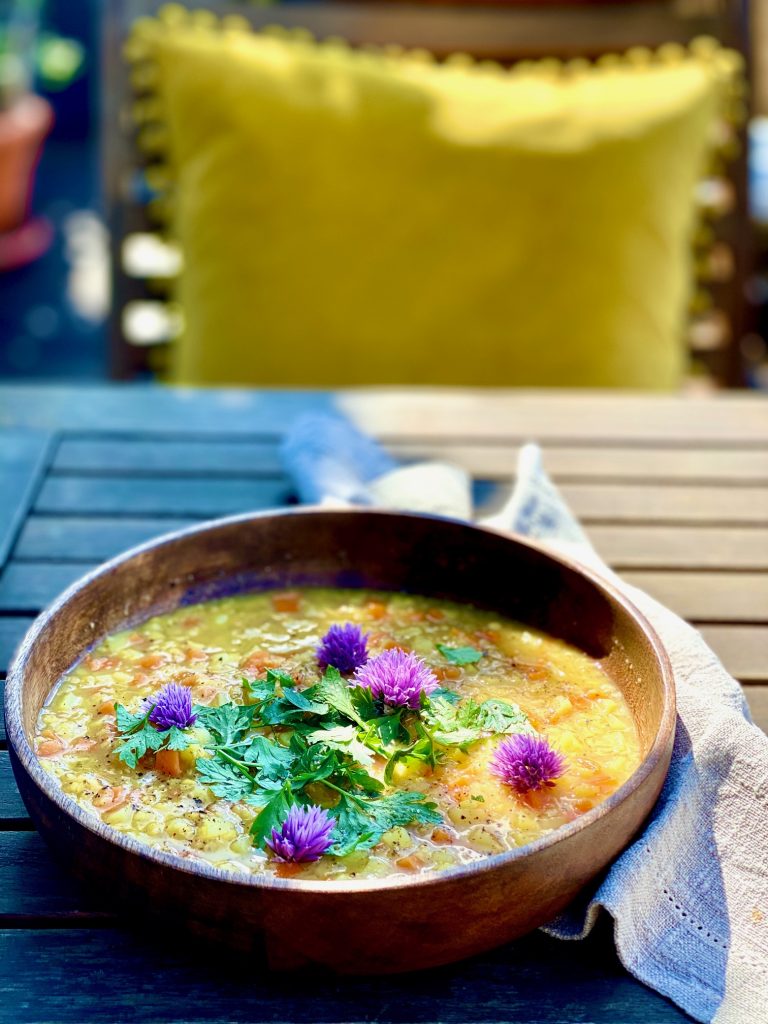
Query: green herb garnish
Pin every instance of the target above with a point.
(460, 655)
(140, 737)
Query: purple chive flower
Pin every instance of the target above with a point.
(343, 647)
(172, 706)
(526, 762)
(305, 835)
(398, 678)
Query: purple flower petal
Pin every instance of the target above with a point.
(172, 706)
(526, 762)
(398, 678)
(304, 836)
(343, 647)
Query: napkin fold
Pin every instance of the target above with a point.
(689, 897)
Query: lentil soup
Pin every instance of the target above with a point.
(336, 733)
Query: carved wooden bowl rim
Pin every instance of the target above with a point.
(659, 750)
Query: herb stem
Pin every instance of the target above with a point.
(240, 765)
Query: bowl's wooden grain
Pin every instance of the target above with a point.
(353, 926)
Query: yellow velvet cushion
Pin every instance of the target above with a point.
(351, 218)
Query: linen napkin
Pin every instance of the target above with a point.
(689, 897)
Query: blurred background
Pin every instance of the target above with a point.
(81, 278)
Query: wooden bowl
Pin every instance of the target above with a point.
(361, 926)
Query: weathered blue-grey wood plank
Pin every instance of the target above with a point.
(157, 496)
(114, 975)
(69, 538)
(148, 408)
(397, 413)
(33, 884)
(168, 458)
(30, 586)
(23, 457)
(12, 629)
(12, 810)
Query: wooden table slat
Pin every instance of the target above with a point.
(409, 414)
(708, 596)
(12, 629)
(681, 547)
(203, 496)
(30, 586)
(659, 503)
(32, 883)
(757, 698)
(600, 461)
(470, 414)
(23, 458)
(70, 538)
(496, 462)
(199, 496)
(743, 650)
(175, 458)
(13, 813)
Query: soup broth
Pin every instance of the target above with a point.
(336, 734)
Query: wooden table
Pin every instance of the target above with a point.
(674, 493)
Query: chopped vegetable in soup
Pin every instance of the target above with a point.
(336, 734)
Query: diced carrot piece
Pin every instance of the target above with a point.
(536, 799)
(441, 835)
(84, 743)
(287, 870)
(50, 748)
(410, 863)
(107, 708)
(536, 672)
(110, 798)
(185, 678)
(491, 636)
(582, 806)
(195, 654)
(258, 661)
(376, 609)
(435, 614)
(602, 781)
(286, 601)
(458, 786)
(139, 679)
(168, 762)
(99, 663)
(151, 661)
(444, 672)
(191, 622)
(562, 707)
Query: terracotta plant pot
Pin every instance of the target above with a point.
(23, 127)
(380, 925)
